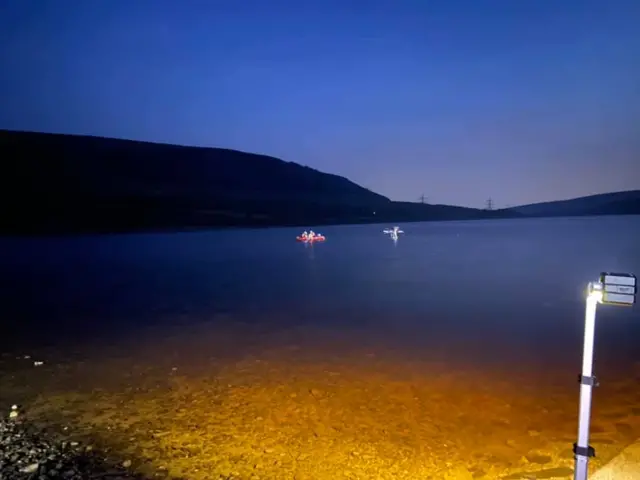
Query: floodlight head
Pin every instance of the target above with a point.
(594, 292)
(618, 288)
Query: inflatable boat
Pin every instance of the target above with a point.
(315, 238)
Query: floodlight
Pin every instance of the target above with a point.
(610, 289)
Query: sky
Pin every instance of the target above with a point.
(457, 100)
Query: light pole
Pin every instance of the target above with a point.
(610, 289)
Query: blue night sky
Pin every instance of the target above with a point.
(519, 100)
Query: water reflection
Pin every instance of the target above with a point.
(308, 246)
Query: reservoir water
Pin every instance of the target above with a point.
(453, 351)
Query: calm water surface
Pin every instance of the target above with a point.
(357, 358)
(502, 289)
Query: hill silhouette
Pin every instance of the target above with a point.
(55, 183)
(616, 203)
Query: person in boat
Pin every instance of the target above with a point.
(311, 235)
(305, 235)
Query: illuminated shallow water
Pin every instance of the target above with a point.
(241, 352)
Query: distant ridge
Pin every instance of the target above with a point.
(616, 203)
(56, 183)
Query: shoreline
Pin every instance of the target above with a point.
(82, 232)
(200, 228)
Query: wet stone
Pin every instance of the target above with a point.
(624, 428)
(538, 459)
(546, 474)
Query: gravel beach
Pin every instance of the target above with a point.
(297, 404)
(26, 453)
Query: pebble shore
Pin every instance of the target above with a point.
(26, 453)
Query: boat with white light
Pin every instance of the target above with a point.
(393, 232)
